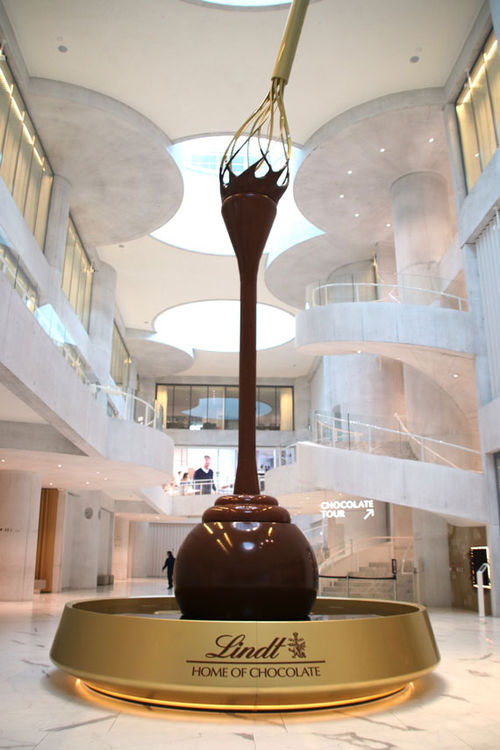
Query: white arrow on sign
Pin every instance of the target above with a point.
(369, 512)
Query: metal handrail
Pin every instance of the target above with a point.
(348, 577)
(332, 423)
(126, 405)
(340, 552)
(314, 293)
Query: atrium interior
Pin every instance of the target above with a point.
(378, 363)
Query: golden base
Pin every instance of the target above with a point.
(130, 649)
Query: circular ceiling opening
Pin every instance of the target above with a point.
(214, 325)
(198, 225)
(247, 3)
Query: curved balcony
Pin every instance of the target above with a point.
(356, 435)
(444, 490)
(329, 328)
(413, 291)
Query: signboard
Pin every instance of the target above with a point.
(338, 508)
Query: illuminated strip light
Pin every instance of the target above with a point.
(472, 83)
(7, 86)
(38, 157)
(16, 109)
(491, 50)
(403, 691)
(30, 138)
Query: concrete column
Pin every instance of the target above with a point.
(101, 318)
(363, 385)
(430, 534)
(57, 223)
(81, 541)
(120, 568)
(19, 513)
(422, 223)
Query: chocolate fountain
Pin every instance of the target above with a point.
(246, 578)
(246, 560)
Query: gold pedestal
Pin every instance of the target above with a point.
(351, 650)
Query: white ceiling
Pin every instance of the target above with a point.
(193, 69)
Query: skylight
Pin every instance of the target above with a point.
(214, 326)
(198, 224)
(248, 3)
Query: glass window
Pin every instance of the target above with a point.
(23, 165)
(285, 407)
(120, 359)
(77, 275)
(33, 194)
(231, 407)
(164, 396)
(216, 407)
(6, 85)
(477, 110)
(11, 142)
(266, 409)
(198, 412)
(493, 75)
(181, 407)
(215, 412)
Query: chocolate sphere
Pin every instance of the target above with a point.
(245, 561)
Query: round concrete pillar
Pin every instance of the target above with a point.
(19, 512)
(421, 220)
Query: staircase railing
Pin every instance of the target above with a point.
(352, 434)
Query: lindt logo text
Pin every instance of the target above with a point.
(284, 657)
(234, 647)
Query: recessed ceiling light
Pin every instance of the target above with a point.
(388, 225)
(349, 171)
(105, 479)
(3, 460)
(382, 150)
(59, 466)
(358, 351)
(356, 216)
(455, 374)
(476, 156)
(341, 195)
(98, 472)
(87, 482)
(431, 140)
(51, 484)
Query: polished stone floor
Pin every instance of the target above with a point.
(40, 707)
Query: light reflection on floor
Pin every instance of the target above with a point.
(455, 707)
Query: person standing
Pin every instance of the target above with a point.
(205, 478)
(169, 565)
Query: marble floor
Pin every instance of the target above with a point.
(456, 707)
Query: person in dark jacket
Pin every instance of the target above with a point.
(204, 478)
(169, 565)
